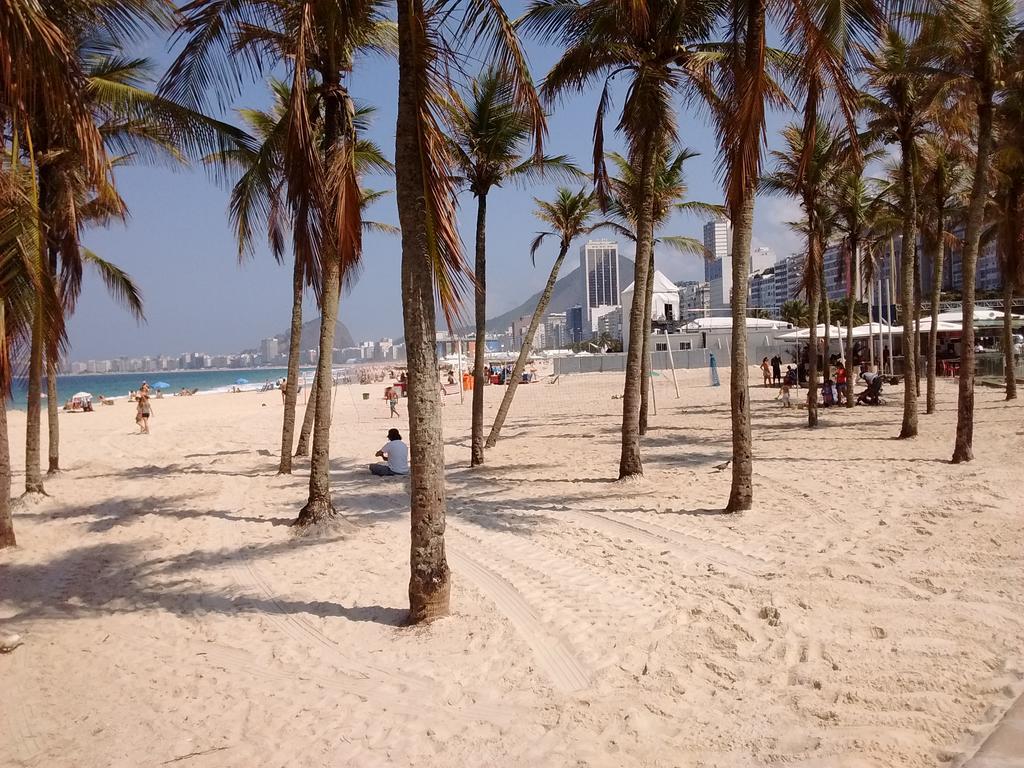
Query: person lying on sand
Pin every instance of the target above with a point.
(395, 454)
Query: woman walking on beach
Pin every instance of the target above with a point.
(143, 411)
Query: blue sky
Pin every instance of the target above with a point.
(179, 246)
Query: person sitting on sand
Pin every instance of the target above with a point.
(395, 454)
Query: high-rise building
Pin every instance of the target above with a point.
(555, 335)
(718, 267)
(789, 273)
(574, 325)
(694, 299)
(268, 349)
(599, 267)
(519, 329)
(762, 290)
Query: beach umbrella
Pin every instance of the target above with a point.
(241, 381)
(82, 396)
(160, 385)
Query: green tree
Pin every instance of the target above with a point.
(432, 260)
(257, 197)
(626, 199)
(319, 42)
(489, 141)
(900, 100)
(980, 34)
(652, 46)
(807, 173)
(568, 215)
(796, 312)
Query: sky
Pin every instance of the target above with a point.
(179, 247)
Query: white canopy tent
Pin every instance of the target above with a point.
(835, 332)
(983, 317)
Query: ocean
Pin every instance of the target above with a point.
(117, 385)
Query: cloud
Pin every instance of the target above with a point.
(771, 225)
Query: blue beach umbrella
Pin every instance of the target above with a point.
(241, 381)
(160, 385)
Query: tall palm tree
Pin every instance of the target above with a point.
(980, 36)
(669, 188)
(808, 172)
(900, 101)
(795, 312)
(1009, 206)
(25, 287)
(132, 123)
(432, 260)
(652, 44)
(257, 196)
(319, 40)
(489, 142)
(569, 216)
(943, 157)
(855, 201)
(816, 35)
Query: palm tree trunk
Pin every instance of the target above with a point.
(917, 319)
(53, 444)
(430, 578)
(319, 507)
(963, 447)
(828, 326)
(645, 368)
(302, 449)
(292, 395)
(907, 249)
(851, 299)
(524, 351)
(477, 432)
(33, 472)
(814, 305)
(629, 459)
(6, 520)
(933, 332)
(1011, 377)
(741, 494)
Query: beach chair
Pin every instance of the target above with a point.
(871, 395)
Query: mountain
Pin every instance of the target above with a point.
(310, 338)
(568, 292)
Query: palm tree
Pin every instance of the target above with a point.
(131, 122)
(669, 188)
(980, 33)
(25, 288)
(808, 172)
(855, 202)
(652, 45)
(795, 312)
(568, 215)
(489, 141)
(943, 171)
(320, 41)
(432, 260)
(1009, 206)
(900, 101)
(257, 196)
(817, 35)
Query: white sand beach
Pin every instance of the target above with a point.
(868, 612)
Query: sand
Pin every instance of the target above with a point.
(869, 611)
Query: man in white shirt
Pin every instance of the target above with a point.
(395, 454)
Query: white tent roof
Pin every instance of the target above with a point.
(719, 323)
(661, 285)
(982, 316)
(805, 333)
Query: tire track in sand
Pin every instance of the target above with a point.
(553, 655)
(689, 548)
(400, 693)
